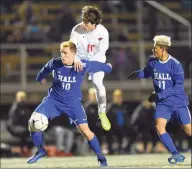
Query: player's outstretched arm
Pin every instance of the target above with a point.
(95, 66)
(133, 75)
(141, 74)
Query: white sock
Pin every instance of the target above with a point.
(101, 101)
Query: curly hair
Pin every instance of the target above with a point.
(91, 14)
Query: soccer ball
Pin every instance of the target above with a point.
(38, 122)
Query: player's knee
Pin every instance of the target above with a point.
(189, 133)
(187, 129)
(160, 128)
(87, 133)
(98, 85)
(160, 125)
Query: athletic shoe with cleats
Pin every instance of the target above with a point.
(105, 123)
(174, 159)
(102, 161)
(36, 157)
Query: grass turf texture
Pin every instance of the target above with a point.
(114, 161)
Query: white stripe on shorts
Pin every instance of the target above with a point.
(84, 113)
(189, 114)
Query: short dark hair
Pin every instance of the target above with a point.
(91, 14)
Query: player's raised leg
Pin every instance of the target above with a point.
(93, 143)
(97, 79)
(37, 138)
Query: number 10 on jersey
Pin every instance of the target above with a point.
(66, 86)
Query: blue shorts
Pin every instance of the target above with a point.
(182, 114)
(73, 108)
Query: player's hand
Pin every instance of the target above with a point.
(153, 97)
(78, 66)
(133, 75)
(43, 82)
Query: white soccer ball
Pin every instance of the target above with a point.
(39, 122)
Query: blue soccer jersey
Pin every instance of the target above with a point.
(168, 81)
(67, 82)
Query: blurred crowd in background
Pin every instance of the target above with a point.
(29, 22)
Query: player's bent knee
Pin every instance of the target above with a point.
(95, 86)
(187, 129)
(160, 128)
(89, 135)
(98, 85)
(160, 125)
(189, 133)
(85, 130)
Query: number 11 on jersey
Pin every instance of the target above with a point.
(161, 84)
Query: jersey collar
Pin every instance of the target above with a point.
(69, 66)
(166, 60)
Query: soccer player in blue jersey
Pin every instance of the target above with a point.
(65, 96)
(170, 98)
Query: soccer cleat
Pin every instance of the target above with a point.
(102, 161)
(105, 123)
(36, 157)
(174, 159)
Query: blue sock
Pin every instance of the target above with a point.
(94, 144)
(168, 143)
(37, 138)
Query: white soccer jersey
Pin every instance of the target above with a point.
(91, 45)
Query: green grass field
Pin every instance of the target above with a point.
(116, 161)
